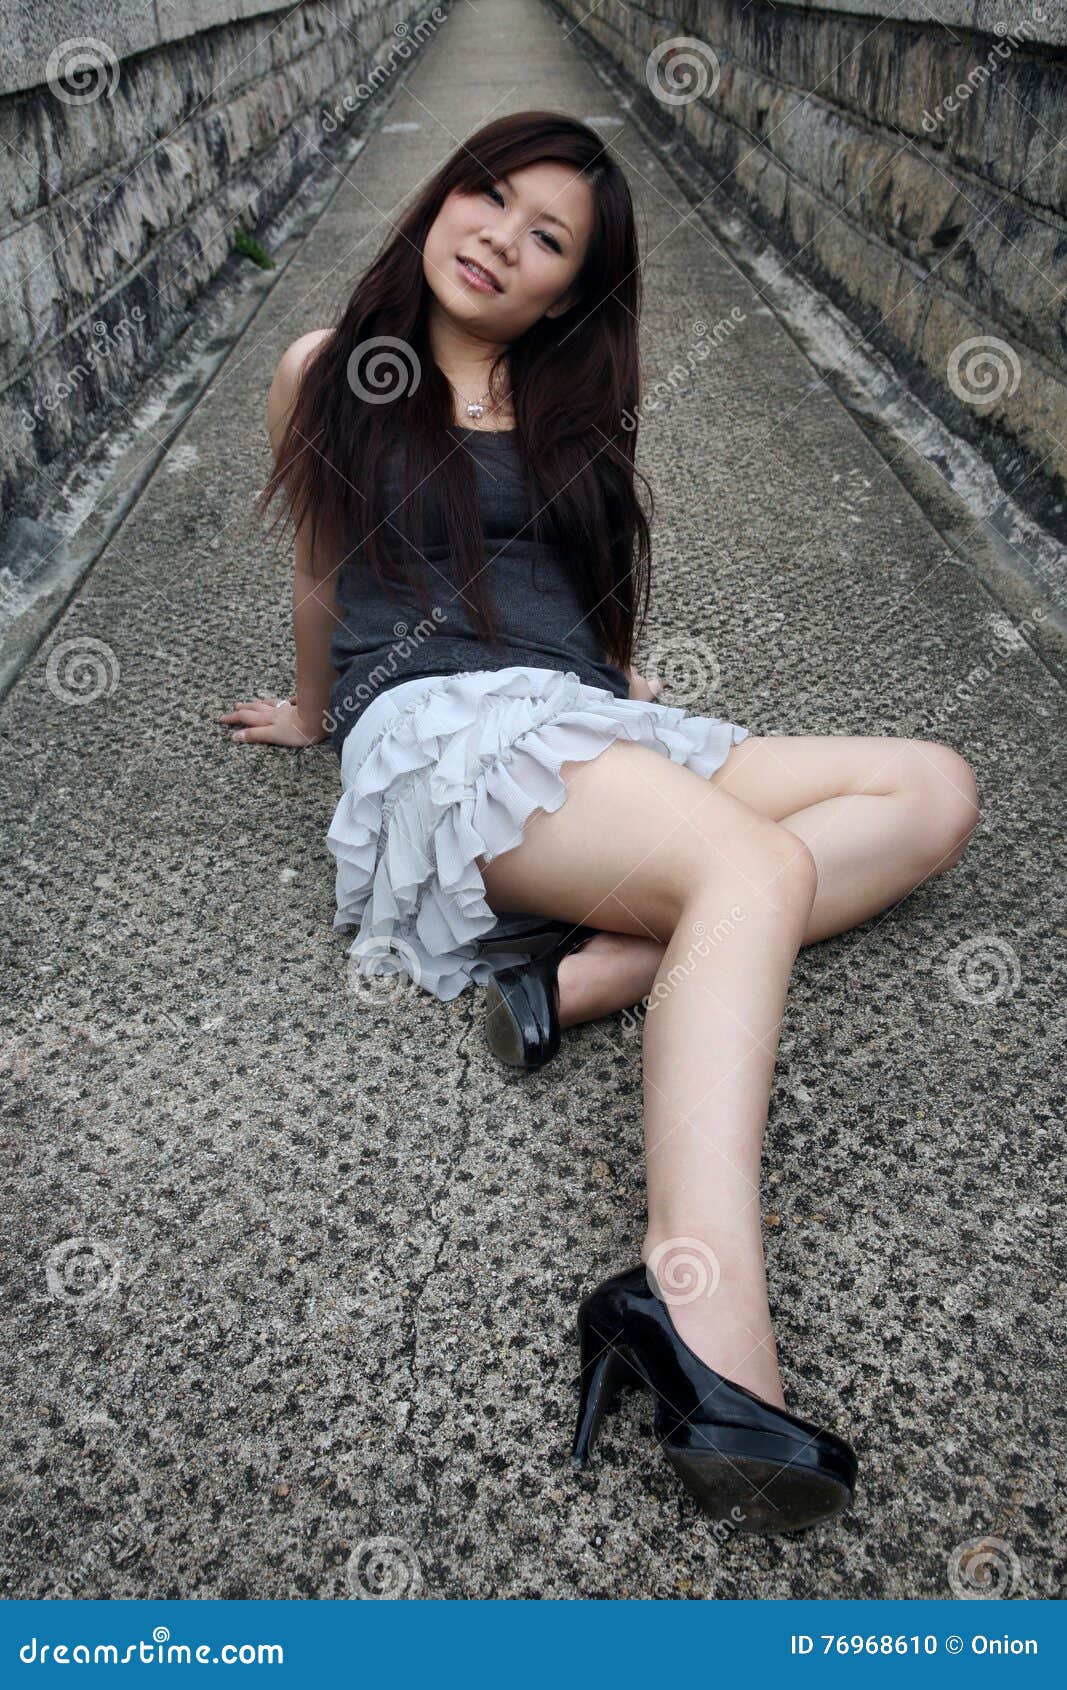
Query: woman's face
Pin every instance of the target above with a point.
(530, 230)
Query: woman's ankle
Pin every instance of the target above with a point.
(739, 1354)
(736, 1341)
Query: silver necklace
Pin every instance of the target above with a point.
(475, 407)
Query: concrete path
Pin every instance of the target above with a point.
(291, 1268)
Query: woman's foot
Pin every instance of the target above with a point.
(612, 971)
(716, 1330)
(743, 1459)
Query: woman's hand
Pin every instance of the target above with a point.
(646, 691)
(274, 721)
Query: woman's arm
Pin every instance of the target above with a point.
(299, 720)
(314, 601)
(314, 620)
(646, 691)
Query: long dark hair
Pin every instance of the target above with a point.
(575, 391)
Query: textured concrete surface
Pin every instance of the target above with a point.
(330, 1251)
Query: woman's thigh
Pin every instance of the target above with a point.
(778, 774)
(635, 835)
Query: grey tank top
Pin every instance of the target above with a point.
(383, 639)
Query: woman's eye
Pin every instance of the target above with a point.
(553, 243)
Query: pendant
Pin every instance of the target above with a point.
(474, 409)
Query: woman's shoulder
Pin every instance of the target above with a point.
(287, 377)
(298, 349)
(292, 361)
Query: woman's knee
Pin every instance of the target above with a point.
(761, 860)
(947, 810)
(636, 837)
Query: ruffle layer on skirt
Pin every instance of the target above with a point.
(454, 776)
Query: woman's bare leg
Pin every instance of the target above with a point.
(612, 857)
(879, 815)
(704, 1119)
(613, 971)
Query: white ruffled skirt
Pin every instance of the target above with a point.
(441, 770)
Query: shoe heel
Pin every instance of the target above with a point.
(522, 1013)
(604, 1372)
(514, 1030)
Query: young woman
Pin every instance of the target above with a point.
(461, 443)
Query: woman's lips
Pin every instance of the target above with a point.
(475, 280)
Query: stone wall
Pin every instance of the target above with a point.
(134, 140)
(912, 167)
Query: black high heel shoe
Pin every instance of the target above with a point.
(522, 1002)
(742, 1458)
